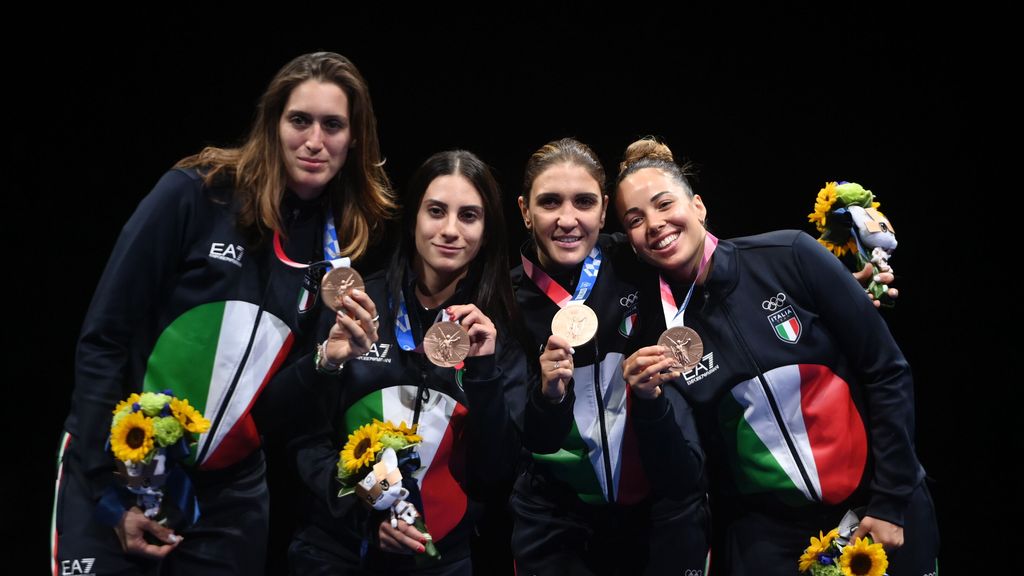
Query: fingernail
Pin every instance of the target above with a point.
(572, 350)
(876, 278)
(355, 291)
(348, 300)
(421, 549)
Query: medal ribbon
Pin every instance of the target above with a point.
(314, 271)
(403, 327)
(554, 291)
(328, 262)
(674, 315)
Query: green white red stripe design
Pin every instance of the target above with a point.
(64, 441)
(198, 356)
(442, 421)
(628, 322)
(580, 461)
(819, 417)
(788, 330)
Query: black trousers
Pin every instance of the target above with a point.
(766, 546)
(557, 534)
(230, 536)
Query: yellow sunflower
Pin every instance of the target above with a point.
(863, 559)
(126, 403)
(132, 437)
(840, 249)
(361, 448)
(189, 417)
(822, 205)
(818, 546)
(408, 432)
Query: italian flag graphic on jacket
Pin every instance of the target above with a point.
(441, 426)
(198, 357)
(829, 443)
(580, 462)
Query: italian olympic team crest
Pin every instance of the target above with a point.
(783, 318)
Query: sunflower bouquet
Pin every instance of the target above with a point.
(832, 554)
(148, 431)
(377, 464)
(851, 227)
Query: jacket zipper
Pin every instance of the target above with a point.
(604, 433)
(212, 433)
(774, 405)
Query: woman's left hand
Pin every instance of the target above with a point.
(885, 533)
(482, 333)
(400, 538)
(867, 274)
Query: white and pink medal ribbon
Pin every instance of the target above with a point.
(684, 343)
(332, 261)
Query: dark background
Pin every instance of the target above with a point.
(770, 105)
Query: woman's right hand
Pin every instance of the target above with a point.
(354, 330)
(401, 538)
(647, 369)
(132, 529)
(556, 367)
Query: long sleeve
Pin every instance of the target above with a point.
(294, 406)
(669, 447)
(493, 385)
(883, 371)
(545, 424)
(122, 318)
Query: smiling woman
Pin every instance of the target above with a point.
(805, 416)
(443, 361)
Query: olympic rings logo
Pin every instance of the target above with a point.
(774, 303)
(692, 572)
(627, 301)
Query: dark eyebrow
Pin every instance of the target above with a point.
(325, 117)
(654, 200)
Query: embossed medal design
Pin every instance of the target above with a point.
(336, 284)
(446, 344)
(684, 344)
(577, 323)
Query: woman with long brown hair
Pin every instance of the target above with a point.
(199, 297)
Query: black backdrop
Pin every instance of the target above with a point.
(770, 105)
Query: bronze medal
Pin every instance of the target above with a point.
(684, 345)
(577, 323)
(446, 344)
(336, 284)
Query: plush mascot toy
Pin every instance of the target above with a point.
(851, 227)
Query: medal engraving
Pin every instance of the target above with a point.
(577, 323)
(446, 344)
(336, 284)
(684, 345)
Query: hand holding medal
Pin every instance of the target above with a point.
(647, 368)
(681, 343)
(355, 321)
(479, 328)
(575, 323)
(556, 366)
